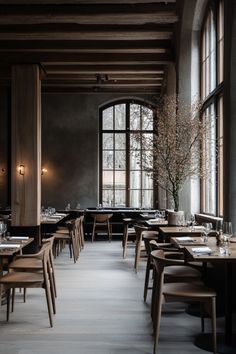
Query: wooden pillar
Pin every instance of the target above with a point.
(26, 147)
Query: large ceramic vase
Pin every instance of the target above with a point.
(175, 217)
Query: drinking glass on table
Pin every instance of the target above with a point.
(227, 234)
(207, 227)
(181, 221)
(3, 230)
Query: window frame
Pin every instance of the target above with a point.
(127, 131)
(214, 97)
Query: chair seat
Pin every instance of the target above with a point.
(19, 279)
(61, 236)
(182, 290)
(26, 263)
(181, 272)
(62, 231)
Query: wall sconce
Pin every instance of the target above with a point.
(21, 169)
(44, 170)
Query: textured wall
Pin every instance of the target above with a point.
(70, 147)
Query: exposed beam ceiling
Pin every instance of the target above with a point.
(90, 45)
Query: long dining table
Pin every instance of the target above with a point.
(11, 246)
(198, 251)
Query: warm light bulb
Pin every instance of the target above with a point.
(21, 169)
(44, 170)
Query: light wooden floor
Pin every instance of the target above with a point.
(99, 311)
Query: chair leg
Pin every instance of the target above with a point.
(49, 303)
(8, 295)
(109, 231)
(137, 255)
(202, 318)
(93, 233)
(147, 275)
(125, 240)
(213, 317)
(157, 321)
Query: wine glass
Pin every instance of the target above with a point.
(207, 226)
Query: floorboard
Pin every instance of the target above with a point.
(99, 311)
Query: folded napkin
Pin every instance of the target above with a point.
(202, 250)
(9, 245)
(185, 238)
(18, 238)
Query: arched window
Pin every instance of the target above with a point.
(212, 49)
(123, 181)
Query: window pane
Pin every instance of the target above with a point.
(107, 179)
(135, 157)
(120, 160)
(120, 117)
(120, 141)
(107, 119)
(135, 198)
(134, 142)
(120, 179)
(107, 160)
(147, 181)
(120, 199)
(147, 199)
(147, 160)
(135, 117)
(107, 141)
(107, 197)
(147, 119)
(135, 179)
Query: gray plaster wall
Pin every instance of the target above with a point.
(70, 134)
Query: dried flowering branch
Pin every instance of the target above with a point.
(177, 145)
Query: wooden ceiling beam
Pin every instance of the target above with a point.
(97, 90)
(118, 77)
(104, 69)
(84, 33)
(86, 58)
(109, 83)
(98, 14)
(76, 45)
(74, 2)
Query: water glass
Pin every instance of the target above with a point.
(227, 234)
(3, 230)
(207, 227)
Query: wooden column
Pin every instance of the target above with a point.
(26, 147)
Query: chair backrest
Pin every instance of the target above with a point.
(160, 262)
(139, 230)
(101, 217)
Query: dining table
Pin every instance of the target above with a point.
(196, 250)
(10, 246)
(49, 222)
(168, 231)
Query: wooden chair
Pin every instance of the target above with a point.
(70, 238)
(30, 263)
(128, 233)
(178, 291)
(101, 223)
(140, 231)
(27, 279)
(172, 273)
